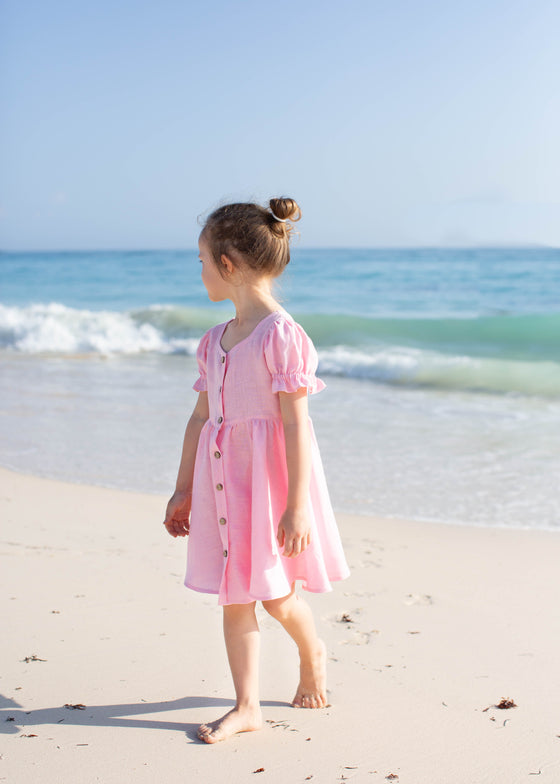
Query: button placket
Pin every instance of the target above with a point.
(218, 467)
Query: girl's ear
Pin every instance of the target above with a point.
(226, 261)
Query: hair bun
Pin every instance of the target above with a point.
(285, 209)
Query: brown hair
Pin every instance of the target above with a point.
(252, 235)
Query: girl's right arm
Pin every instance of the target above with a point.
(179, 506)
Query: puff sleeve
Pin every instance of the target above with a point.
(291, 358)
(201, 384)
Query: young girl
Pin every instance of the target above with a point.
(251, 493)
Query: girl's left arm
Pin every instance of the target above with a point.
(294, 528)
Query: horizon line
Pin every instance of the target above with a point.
(477, 246)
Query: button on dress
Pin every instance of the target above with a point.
(240, 481)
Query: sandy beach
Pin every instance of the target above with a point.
(109, 664)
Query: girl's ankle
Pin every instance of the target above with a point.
(248, 705)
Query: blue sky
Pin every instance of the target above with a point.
(396, 123)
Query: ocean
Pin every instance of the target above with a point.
(442, 369)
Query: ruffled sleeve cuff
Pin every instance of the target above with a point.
(201, 384)
(291, 382)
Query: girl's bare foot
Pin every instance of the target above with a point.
(240, 719)
(312, 689)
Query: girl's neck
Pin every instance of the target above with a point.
(253, 302)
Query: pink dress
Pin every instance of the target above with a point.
(240, 479)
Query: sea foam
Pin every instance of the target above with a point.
(486, 354)
(57, 329)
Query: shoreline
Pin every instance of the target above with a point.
(435, 626)
(411, 453)
(398, 519)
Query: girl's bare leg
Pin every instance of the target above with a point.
(295, 616)
(241, 633)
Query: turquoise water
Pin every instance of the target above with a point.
(472, 319)
(392, 282)
(442, 366)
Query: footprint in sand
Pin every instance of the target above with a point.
(418, 598)
(360, 638)
(366, 564)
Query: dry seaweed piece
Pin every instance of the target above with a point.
(259, 770)
(391, 776)
(76, 706)
(504, 704)
(345, 618)
(275, 724)
(34, 657)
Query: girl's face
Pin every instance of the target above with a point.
(216, 286)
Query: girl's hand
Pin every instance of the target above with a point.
(294, 532)
(178, 513)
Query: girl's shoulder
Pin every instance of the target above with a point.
(283, 326)
(283, 335)
(281, 319)
(278, 328)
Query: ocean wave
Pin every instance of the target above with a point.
(57, 329)
(404, 366)
(516, 336)
(506, 354)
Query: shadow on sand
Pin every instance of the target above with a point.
(13, 718)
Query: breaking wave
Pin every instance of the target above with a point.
(500, 354)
